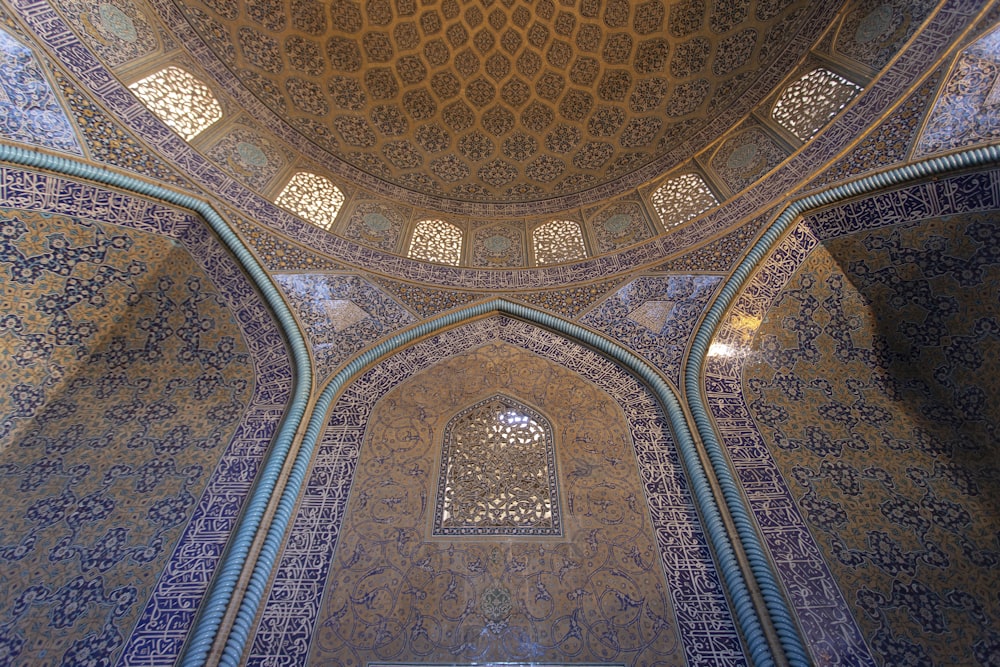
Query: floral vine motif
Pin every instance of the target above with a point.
(497, 473)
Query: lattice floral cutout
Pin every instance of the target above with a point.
(180, 100)
(558, 241)
(313, 197)
(498, 473)
(810, 102)
(436, 241)
(682, 198)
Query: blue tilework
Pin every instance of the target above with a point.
(719, 255)
(288, 623)
(910, 64)
(654, 316)
(188, 338)
(335, 329)
(107, 142)
(887, 144)
(967, 111)
(814, 592)
(870, 380)
(29, 110)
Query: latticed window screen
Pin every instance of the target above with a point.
(498, 474)
(682, 198)
(313, 197)
(810, 102)
(180, 100)
(558, 241)
(436, 241)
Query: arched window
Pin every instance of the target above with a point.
(180, 100)
(436, 241)
(498, 474)
(313, 197)
(810, 102)
(558, 241)
(682, 198)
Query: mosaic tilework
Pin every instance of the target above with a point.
(248, 156)
(912, 62)
(875, 30)
(116, 463)
(747, 156)
(278, 254)
(815, 595)
(719, 255)
(341, 314)
(376, 224)
(425, 301)
(567, 302)
(654, 317)
(119, 32)
(967, 111)
(620, 225)
(828, 627)
(887, 144)
(107, 142)
(29, 110)
(886, 337)
(291, 620)
(498, 246)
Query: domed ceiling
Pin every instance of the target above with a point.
(507, 101)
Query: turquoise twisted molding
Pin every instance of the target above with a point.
(778, 610)
(736, 585)
(220, 592)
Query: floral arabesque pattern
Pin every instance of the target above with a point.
(29, 110)
(389, 416)
(888, 340)
(654, 316)
(126, 380)
(342, 314)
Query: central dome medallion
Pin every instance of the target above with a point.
(504, 100)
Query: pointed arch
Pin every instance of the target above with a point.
(747, 616)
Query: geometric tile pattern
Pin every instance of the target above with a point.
(472, 104)
(29, 111)
(341, 314)
(135, 408)
(526, 579)
(654, 316)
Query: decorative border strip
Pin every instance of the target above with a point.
(49, 29)
(220, 592)
(694, 390)
(759, 650)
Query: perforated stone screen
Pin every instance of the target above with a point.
(558, 241)
(682, 198)
(313, 197)
(180, 100)
(498, 473)
(436, 241)
(810, 102)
